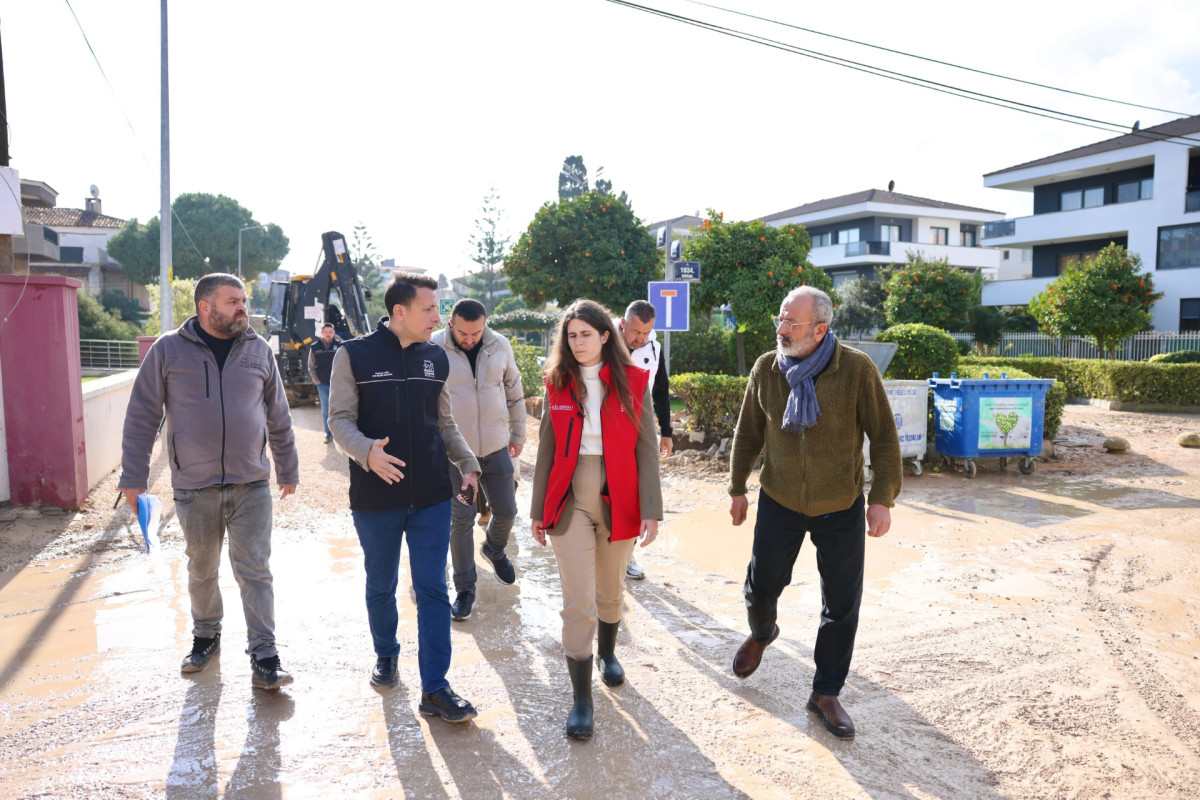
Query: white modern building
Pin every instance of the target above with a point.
(1140, 190)
(855, 234)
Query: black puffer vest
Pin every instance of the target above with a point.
(398, 390)
(323, 358)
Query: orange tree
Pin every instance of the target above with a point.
(930, 292)
(751, 266)
(589, 246)
(1108, 299)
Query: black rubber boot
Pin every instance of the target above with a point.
(606, 641)
(580, 720)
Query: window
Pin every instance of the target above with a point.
(967, 238)
(1179, 247)
(822, 240)
(940, 235)
(1147, 188)
(1128, 192)
(1093, 197)
(889, 233)
(1069, 261)
(1189, 314)
(1071, 201)
(848, 235)
(1006, 255)
(842, 278)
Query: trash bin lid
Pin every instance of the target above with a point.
(881, 353)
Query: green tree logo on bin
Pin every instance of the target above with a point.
(1006, 422)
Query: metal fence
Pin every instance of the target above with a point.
(113, 355)
(1138, 347)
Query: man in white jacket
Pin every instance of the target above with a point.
(637, 329)
(488, 403)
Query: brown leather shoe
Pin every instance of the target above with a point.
(750, 654)
(829, 709)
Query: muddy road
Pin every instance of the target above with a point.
(1022, 636)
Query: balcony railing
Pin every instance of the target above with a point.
(1001, 227)
(1191, 201)
(868, 249)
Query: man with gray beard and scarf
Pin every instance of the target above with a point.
(807, 406)
(218, 384)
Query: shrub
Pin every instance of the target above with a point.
(923, 351)
(712, 402)
(1056, 397)
(1175, 385)
(1178, 357)
(711, 351)
(531, 371)
(96, 322)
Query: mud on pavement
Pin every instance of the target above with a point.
(1022, 636)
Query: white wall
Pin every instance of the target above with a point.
(104, 404)
(11, 223)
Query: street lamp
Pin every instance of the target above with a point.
(240, 230)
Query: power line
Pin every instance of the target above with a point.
(936, 61)
(137, 142)
(925, 83)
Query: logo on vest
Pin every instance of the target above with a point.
(562, 407)
(429, 369)
(383, 373)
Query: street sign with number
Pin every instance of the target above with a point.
(670, 301)
(687, 270)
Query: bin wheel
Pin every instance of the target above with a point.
(1027, 465)
(917, 468)
(868, 474)
(1004, 465)
(969, 468)
(947, 462)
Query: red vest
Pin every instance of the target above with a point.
(619, 439)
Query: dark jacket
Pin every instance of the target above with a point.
(320, 360)
(219, 422)
(380, 389)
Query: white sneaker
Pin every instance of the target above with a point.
(634, 572)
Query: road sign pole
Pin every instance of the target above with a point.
(670, 275)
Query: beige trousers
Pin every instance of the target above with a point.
(590, 567)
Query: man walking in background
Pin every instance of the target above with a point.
(320, 367)
(489, 409)
(808, 405)
(637, 329)
(224, 401)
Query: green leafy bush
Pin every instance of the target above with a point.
(923, 351)
(531, 371)
(711, 351)
(97, 322)
(1175, 385)
(1056, 397)
(523, 319)
(1178, 357)
(711, 402)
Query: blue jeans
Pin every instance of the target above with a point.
(323, 395)
(428, 530)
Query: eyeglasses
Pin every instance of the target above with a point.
(787, 324)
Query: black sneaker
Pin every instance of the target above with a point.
(203, 651)
(267, 674)
(384, 673)
(506, 573)
(446, 704)
(461, 608)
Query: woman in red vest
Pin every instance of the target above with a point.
(595, 488)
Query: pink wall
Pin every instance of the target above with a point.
(43, 390)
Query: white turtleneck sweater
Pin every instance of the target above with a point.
(592, 444)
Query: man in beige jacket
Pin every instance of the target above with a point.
(489, 408)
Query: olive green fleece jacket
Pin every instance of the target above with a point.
(819, 471)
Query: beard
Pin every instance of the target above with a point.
(796, 349)
(229, 327)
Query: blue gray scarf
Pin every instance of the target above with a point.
(802, 408)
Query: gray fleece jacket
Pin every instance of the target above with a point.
(219, 422)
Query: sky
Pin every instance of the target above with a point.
(401, 116)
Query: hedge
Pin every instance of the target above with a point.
(531, 371)
(1175, 385)
(712, 351)
(1177, 357)
(923, 350)
(712, 402)
(1056, 397)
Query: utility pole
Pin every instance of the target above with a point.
(164, 212)
(7, 257)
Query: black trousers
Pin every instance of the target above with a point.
(840, 539)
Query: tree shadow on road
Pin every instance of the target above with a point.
(896, 748)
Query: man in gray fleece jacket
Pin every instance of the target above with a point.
(219, 385)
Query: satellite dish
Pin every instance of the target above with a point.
(95, 190)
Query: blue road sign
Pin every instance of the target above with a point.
(670, 301)
(687, 271)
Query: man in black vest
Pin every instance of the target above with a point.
(390, 412)
(320, 367)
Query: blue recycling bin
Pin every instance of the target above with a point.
(989, 418)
